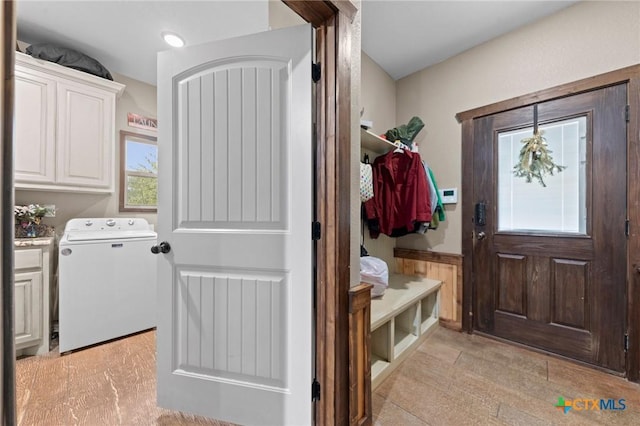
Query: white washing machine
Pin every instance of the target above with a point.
(107, 280)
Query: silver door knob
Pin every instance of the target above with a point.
(481, 235)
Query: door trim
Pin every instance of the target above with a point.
(630, 76)
(333, 22)
(7, 88)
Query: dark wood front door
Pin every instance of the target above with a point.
(549, 261)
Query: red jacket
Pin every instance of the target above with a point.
(401, 194)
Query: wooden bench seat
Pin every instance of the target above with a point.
(400, 320)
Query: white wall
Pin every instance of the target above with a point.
(139, 98)
(586, 39)
(378, 98)
(281, 16)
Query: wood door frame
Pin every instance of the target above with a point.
(333, 22)
(334, 19)
(630, 76)
(7, 86)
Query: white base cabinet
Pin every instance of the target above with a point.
(32, 261)
(400, 320)
(28, 312)
(64, 128)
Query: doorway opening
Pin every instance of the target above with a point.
(334, 19)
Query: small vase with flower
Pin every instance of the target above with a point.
(28, 217)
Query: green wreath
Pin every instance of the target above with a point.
(535, 160)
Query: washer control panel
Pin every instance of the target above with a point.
(107, 224)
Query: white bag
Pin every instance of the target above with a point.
(376, 272)
(366, 182)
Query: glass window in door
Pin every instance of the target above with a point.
(561, 205)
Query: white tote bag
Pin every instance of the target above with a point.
(366, 182)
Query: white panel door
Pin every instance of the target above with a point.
(35, 127)
(235, 203)
(85, 136)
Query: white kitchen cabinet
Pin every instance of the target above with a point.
(35, 127)
(64, 128)
(32, 262)
(28, 303)
(83, 116)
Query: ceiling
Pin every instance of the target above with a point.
(125, 36)
(406, 36)
(401, 36)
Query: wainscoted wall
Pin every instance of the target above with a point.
(438, 266)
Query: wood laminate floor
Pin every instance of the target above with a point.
(452, 379)
(108, 384)
(460, 379)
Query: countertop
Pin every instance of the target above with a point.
(33, 242)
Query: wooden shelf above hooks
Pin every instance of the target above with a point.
(373, 142)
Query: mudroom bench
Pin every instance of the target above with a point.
(400, 320)
(383, 331)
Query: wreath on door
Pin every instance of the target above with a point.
(535, 160)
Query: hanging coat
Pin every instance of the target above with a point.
(401, 202)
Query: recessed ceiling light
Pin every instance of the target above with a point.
(172, 39)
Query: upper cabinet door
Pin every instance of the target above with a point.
(64, 128)
(85, 136)
(34, 127)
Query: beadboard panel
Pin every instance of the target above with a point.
(443, 267)
(234, 175)
(244, 314)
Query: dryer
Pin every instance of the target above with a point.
(107, 280)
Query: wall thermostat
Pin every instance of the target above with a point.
(449, 195)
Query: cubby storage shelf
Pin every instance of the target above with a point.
(403, 291)
(378, 365)
(400, 320)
